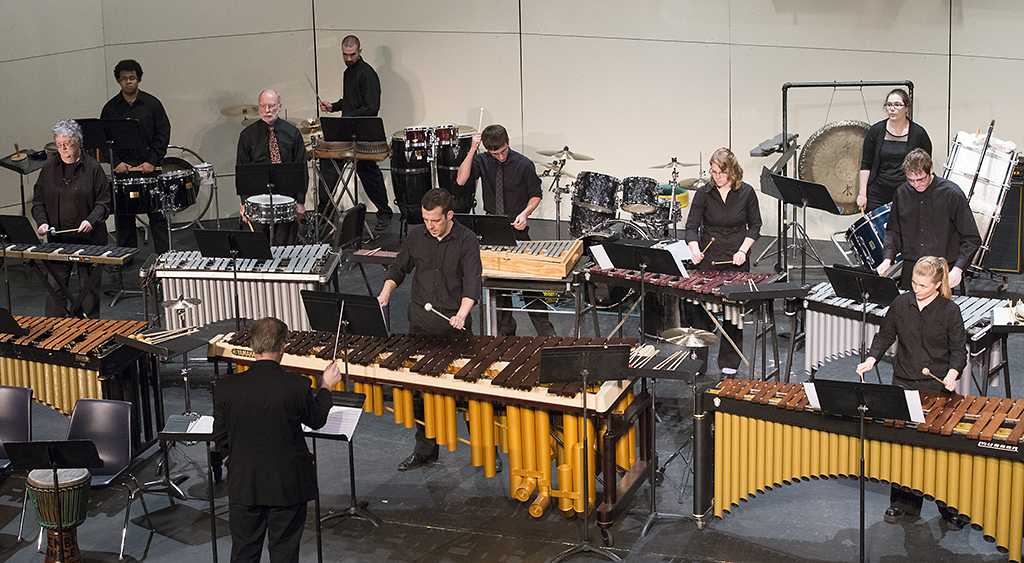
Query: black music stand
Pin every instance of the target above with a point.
(361, 129)
(645, 259)
(854, 400)
(124, 135)
(234, 245)
(802, 194)
(863, 286)
(63, 454)
(491, 230)
(285, 178)
(764, 295)
(586, 364)
(17, 230)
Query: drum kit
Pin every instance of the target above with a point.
(418, 155)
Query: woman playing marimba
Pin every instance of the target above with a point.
(930, 339)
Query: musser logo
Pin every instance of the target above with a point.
(995, 446)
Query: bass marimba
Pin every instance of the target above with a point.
(540, 427)
(265, 287)
(967, 454)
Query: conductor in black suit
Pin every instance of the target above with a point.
(271, 475)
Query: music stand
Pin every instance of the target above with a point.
(10, 326)
(14, 229)
(644, 259)
(285, 178)
(57, 454)
(234, 245)
(588, 364)
(864, 287)
(491, 230)
(362, 129)
(802, 194)
(126, 135)
(854, 400)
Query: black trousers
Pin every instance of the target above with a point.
(901, 498)
(91, 302)
(534, 300)
(128, 234)
(282, 526)
(370, 176)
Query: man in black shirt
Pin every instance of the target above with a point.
(272, 140)
(360, 98)
(512, 188)
(446, 258)
(930, 217)
(132, 103)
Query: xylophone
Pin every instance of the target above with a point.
(64, 359)
(538, 259)
(497, 376)
(967, 454)
(69, 252)
(265, 287)
(834, 324)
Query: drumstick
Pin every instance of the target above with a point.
(722, 262)
(313, 87)
(430, 307)
(928, 372)
(481, 122)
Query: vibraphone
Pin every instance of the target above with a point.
(494, 374)
(967, 453)
(834, 324)
(265, 287)
(538, 259)
(63, 360)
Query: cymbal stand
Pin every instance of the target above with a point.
(558, 190)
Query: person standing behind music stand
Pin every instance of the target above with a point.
(512, 188)
(725, 209)
(72, 193)
(928, 330)
(258, 415)
(886, 144)
(446, 258)
(133, 103)
(360, 98)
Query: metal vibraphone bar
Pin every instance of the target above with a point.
(67, 252)
(540, 427)
(65, 359)
(265, 287)
(834, 324)
(966, 454)
(552, 248)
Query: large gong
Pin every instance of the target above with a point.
(831, 156)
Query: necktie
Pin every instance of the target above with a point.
(499, 190)
(275, 151)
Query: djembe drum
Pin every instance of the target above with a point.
(74, 506)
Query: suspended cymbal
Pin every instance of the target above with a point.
(309, 126)
(565, 153)
(689, 183)
(181, 303)
(692, 337)
(675, 162)
(244, 110)
(554, 168)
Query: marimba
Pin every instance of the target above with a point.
(497, 376)
(64, 359)
(834, 324)
(265, 287)
(967, 454)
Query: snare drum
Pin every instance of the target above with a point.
(258, 208)
(134, 195)
(446, 135)
(74, 508)
(867, 234)
(207, 175)
(416, 137)
(181, 186)
(639, 195)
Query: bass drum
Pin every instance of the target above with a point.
(609, 296)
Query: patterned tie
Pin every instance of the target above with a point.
(499, 190)
(275, 151)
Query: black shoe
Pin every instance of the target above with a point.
(893, 515)
(383, 222)
(498, 464)
(414, 461)
(955, 522)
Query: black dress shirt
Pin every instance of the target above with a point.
(935, 222)
(446, 270)
(933, 337)
(254, 147)
(729, 221)
(67, 194)
(153, 119)
(520, 184)
(361, 92)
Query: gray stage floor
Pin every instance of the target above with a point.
(451, 512)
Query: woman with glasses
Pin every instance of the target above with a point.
(887, 143)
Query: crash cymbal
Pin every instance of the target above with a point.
(689, 183)
(309, 126)
(245, 110)
(692, 337)
(565, 153)
(554, 168)
(181, 303)
(675, 162)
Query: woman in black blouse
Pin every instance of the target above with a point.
(725, 209)
(886, 144)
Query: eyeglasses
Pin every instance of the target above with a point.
(267, 106)
(893, 105)
(67, 145)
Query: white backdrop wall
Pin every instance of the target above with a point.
(632, 84)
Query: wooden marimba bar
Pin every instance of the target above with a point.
(539, 427)
(966, 455)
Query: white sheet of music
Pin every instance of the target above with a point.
(601, 257)
(680, 252)
(204, 425)
(341, 421)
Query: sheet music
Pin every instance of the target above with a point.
(812, 395)
(204, 425)
(341, 421)
(914, 405)
(601, 257)
(680, 251)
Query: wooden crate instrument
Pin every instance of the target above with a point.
(967, 454)
(537, 259)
